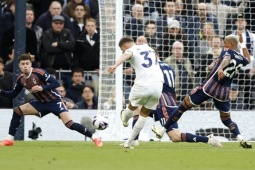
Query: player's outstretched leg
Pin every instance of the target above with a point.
(233, 127)
(81, 129)
(125, 115)
(15, 122)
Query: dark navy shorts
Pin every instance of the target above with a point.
(45, 108)
(162, 113)
(198, 96)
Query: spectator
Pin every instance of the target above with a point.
(41, 6)
(81, 14)
(149, 9)
(248, 36)
(181, 14)
(4, 7)
(69, 102)
(171, 34)
(5, 84)
(87, 48)
(53, 73)
(30, 17)
(195, 24)
(150, 33)
(134, 26)
(58, 44)
(222, 11)
(69, 9)
(45, 20)
(89, 101)
(164, 21)
(184, 80)
(75, 90)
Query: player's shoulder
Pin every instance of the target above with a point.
(38, 71)
(227, 51)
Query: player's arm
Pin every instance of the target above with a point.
(51, 83)
(246, 53)
(225, 62)
(120, 60)
(14, 92)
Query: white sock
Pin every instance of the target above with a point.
(239, 138)
(10, 137)
(162, 130)
(137, 128)
(128, 114)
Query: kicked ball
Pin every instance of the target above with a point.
(100, 122)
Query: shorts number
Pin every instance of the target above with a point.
(60, 106)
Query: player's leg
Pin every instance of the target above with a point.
(126, 114)
(69, 123)
(224, 108)
(18, 112)
(195, 97)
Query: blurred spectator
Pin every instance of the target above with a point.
(69, 103)
(184, 80)
(75, 90)
(248, 37)
(87, 48)
(171, 34)
(57, 43)
(45, 20)
(166, 19)
(53, 73)
(69, 9)
(149, 9)
(38, 30)
(111, 99)
(81, 14)
(89, 101)
(215, 47)
(41, 6)
(181, 14)
(4, 7)
(134, 26)
(151, 34)
(195, 24)
(222, 11)
(5, 84)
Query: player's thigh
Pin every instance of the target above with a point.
(222, 106)
(197, 96)
(28, 109)
(65, 117)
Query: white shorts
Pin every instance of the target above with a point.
(146, 95)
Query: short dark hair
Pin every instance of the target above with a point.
(24, 57)
(149, 22)
(77, 70)
(124, 40)
(91, 88)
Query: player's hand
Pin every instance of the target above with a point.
(69, 105)
(111, 69)
(221, 74)
(55, 44)
(36, 89)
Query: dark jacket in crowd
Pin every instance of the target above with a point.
(74, 92)
(65, 46)
(83, 105)
(87, 55)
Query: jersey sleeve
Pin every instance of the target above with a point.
(15, 91)
(51, 82)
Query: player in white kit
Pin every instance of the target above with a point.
(148, 83)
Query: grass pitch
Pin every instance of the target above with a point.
(59, 155)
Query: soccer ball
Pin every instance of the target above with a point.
(100, 122)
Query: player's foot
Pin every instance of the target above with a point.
(213, 141)
(156, 130)
(98, 142)
(134, 143)
(122, 118)
(7, 143)
(245, 144)
(127, 146)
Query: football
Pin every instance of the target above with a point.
(100, 122)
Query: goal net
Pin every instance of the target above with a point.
(199, 25)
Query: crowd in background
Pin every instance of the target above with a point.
(188, 34)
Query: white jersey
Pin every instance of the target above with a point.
(145, 63)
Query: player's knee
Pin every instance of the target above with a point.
(18, 111)
(174, 136)
(69, 124)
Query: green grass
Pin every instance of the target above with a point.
(59, 155)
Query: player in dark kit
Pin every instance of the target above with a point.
(42, 85)
(216, 86)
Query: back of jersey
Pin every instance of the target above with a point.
(169, 78)
(145, 63)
